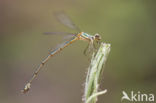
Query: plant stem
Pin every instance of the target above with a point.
(94, 72)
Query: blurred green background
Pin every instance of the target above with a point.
(129, 25)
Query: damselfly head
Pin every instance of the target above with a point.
(97, 37)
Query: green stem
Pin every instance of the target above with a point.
(94, 72)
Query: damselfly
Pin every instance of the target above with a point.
(79, 36)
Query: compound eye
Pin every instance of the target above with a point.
(97, 36)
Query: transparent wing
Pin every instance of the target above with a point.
(65, 19)
(68, 35)
(60, 45)
(58, 33)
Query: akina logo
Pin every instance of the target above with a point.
(137, 96)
